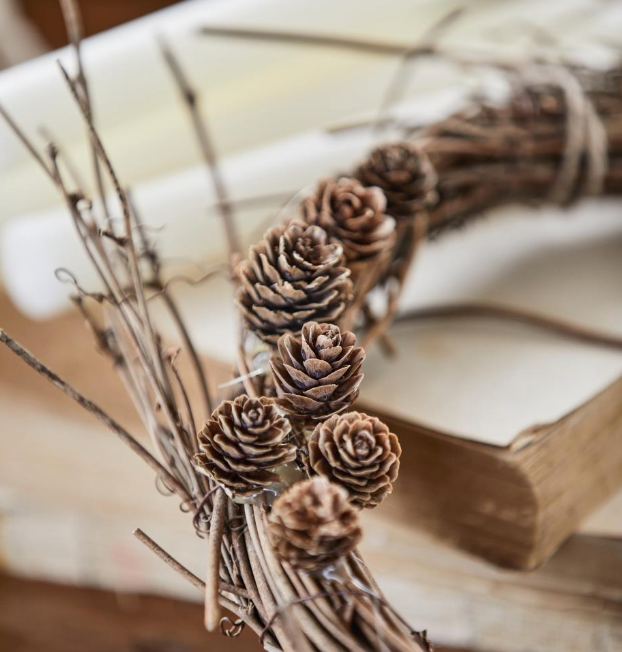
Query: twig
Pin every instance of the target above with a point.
(252, 622)
(173, 309)
(94, 409)
(306, 38)
(191, 100)
(217, 526)
(182, 570)
(127, 217)
(168, 559)
(506, 313)
(425, 45)
(75, 31)
(70, 165)
(26, 142)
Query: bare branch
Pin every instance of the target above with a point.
(219, 514)
(94, 409)
(191, 100)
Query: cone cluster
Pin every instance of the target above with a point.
(242, 443)
(353, 215)
(294, 275)
(405, 175)
(359, 453)
(313, 525)
(318, 373)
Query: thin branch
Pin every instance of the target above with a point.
(305, 38)
(95, 410)
(173, 309)
(26, 142)
(208, 151)
(75, 33)
(169, 560)
(425, 45)
(72, 168)
(217, 526)
(161, 383)
(127, 216)
(520, 315)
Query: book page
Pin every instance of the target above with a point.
(482, 379)
(488, 380)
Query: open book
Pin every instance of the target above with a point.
(512, 435)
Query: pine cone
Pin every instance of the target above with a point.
(242, 442)
(359, 453)
(318, 373)
(404, 173)
(353, 215)
(292, 276)
(312, 525)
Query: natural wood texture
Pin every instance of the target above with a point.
(41, 617)
(570, 603)
(75, 619)
(514, 506)
(575, 596)
(98, 15)
(514, 512)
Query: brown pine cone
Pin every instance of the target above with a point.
(292, 276)
(359, 453)
(404, 173)
(242, 443)
(352, 214)
(312, 525)
(318, 373)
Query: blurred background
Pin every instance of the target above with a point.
(70, 496)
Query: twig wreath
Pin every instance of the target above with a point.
(276, 476)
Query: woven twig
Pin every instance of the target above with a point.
(557, 138)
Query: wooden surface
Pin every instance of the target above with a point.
(98, 15)
(44, 617)
(86, 494)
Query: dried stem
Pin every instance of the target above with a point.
(182, 570)
(217, 526)
(424, 45)
(168, 559)
(95, 410)
(191, 100)
(75, 32)
(162, 288)
(520, 315)
(305, 38)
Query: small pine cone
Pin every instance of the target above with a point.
(318, 373)
(405, 174)
(242, 443)
(292, 276)
(352, 214)
(312, 525)
(359, 453)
